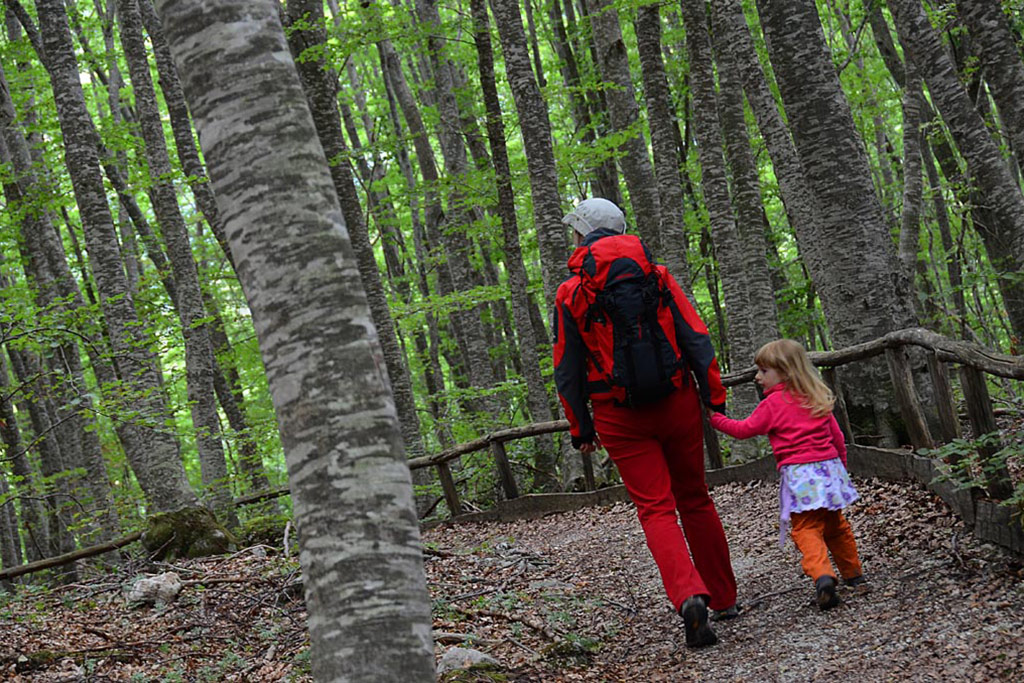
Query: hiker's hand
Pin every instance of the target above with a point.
(590, 447)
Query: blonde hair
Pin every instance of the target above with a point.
(789, 358)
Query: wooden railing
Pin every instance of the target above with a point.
(974, 362)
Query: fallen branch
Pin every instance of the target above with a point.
(67, 558)
(535, 625)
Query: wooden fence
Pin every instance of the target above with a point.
(973, 361)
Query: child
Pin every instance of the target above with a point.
(810, 452)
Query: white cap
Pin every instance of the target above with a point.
(594, 214)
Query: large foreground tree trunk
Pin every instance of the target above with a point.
(369, 611)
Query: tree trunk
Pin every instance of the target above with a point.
(1004, 233)
(537, 396)
(910, 228)
(733, 35)
(432, 375)
(321, 92)
(181, 123)
(625, 117)
(32, 513)
(604, 176)
(863, 294)
(1001, 61)
(77, 416)
(751, 223)
(453, 235)
(199, 363)
(369, 610)
(729, 245)
(10, 540)
(152, 452)
(55, 492)
(664, 131)
(540, 156)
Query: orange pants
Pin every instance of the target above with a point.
(818, 532)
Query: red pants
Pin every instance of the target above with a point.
(818, 532)
(659, 453)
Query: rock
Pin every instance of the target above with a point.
(463, 658)
(159, 590)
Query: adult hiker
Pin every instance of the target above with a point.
(628, 342)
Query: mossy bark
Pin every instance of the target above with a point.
(188, 532)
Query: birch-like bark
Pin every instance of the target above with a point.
(457, 245)
(910, 228)
(78, 431)
(664, 131)
(321, 89)
(729, 248)
(1002, 198)
(537, 396)
(10, 540)
(1001, 61)
(604, 175)
(863, 288)
(733, 36)
(746, 195)
(199, 362)
(369, 610)
(32, 513)
(540, 156)
(613, 61)
(152, 452)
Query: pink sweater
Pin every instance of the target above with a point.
(795, 435)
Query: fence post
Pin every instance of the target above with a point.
(948, 422)
(711, 442)
(839, 410)
(906, 397)
(508, 482)
(983, 421)
(451, 494)
(588, 471)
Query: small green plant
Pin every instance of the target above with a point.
(967, 467)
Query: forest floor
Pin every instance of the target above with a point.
(573, 597)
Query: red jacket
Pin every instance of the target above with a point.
(577, 345)
(796, 436)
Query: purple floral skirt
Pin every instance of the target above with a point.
(810, 486)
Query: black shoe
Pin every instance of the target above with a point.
(825, 592)
(695, 620)
(725, 614)
(859, 580)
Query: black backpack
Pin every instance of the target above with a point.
(628, 297)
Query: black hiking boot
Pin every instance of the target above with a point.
(695, 620)
(825, 592)
(859, 580)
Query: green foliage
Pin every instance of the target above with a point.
(263, 530)
(968, 466)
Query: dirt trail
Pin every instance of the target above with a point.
(571, 597)
(940, 606)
